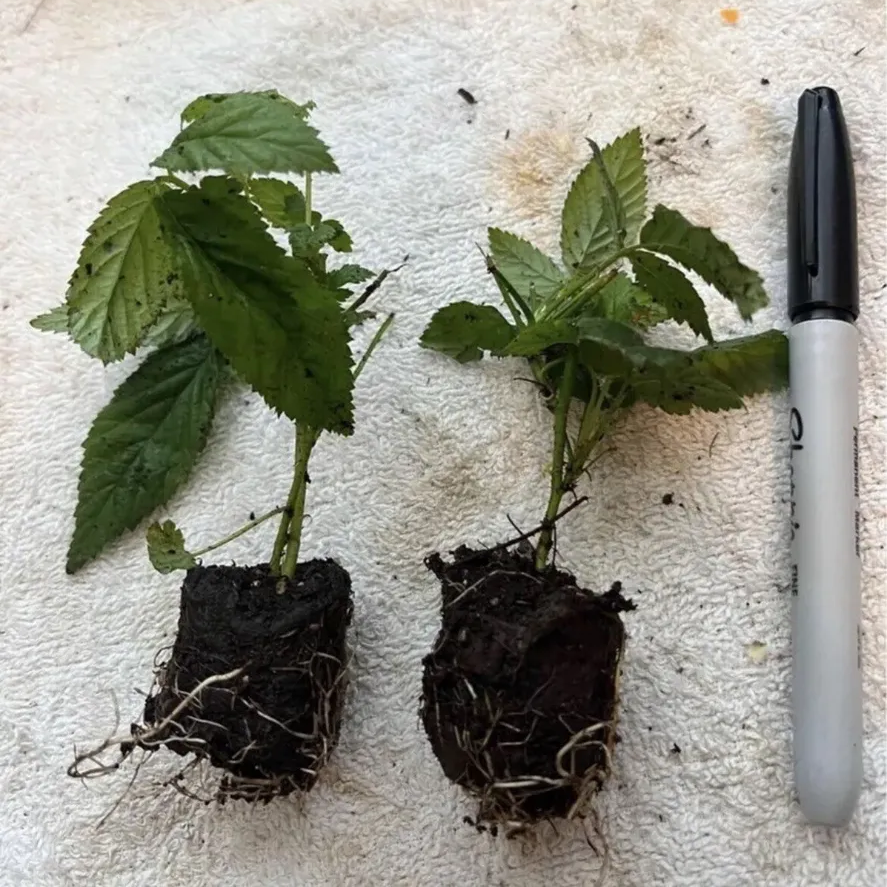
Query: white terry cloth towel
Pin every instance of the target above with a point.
(90, 92)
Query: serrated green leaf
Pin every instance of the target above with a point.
(126, 272)
(336, 236)
(204, 103)
(143, 444)
(622, 300)
(679, 394)
(537, 337)
(671, 289)
(53, 321)
(281, 203)
(307, 241)
(586, 235)
(607, 346)
(749, 364)
(176, 323)
(245, 134)
(166, 548)
(532, 274)
(713, 377)
(464, 331)
(282, 332)
(698, 249)
(348, 275)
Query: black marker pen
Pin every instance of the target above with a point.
(823, 304)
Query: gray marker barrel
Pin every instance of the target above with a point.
(826, 693)
(823, 304)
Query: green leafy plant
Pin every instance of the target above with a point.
(583, 326)
(224, 278)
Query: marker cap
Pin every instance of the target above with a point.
(823, 278)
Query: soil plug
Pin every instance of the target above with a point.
(185, 267)
(521, 690)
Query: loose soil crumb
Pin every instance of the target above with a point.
(273, 725)
(520, 692)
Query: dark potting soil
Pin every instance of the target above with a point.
(520, 692)
(273, 724)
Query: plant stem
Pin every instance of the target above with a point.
(305, 440)
(181, 183)
(564, 308)
(244, 529)
(307, 198)
(590, 433)
(283, 530)
(586, 286)
(558, 488)
(373, 344)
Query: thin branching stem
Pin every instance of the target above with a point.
(305, 439)
(244, 529)
(175, 180)
(374, 342)
(561, 413)
(307, 198)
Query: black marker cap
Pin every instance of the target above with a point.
(823, 277)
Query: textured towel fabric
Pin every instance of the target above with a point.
(89, 93)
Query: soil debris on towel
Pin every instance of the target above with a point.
(520, 691)
(467, 96)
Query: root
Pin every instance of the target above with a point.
(142, 737)
(180, 729)
(503, 799)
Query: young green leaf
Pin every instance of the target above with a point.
(668, 286)
(143, 444)
(166, 548)
(537, 337)
(281, 331)
(698, 249)
(348, 275)
(624, 301)
(713, 377)
(204, 103)
(607, 346)
(527, 269)
(247, 133)
(749, 364)
(307, 240)
(679, 394)
(126, 273)
(281, 203)
(53, 321)
(586, 234)
(176, 323)
(464, 331)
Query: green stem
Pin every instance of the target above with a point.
(244, 529)
(582, 296)
(558, 488)
(307, 198)
(585, 286)
(181, 183)
(284, 529)
(305, 440)
(590, 432)
(373, 344)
